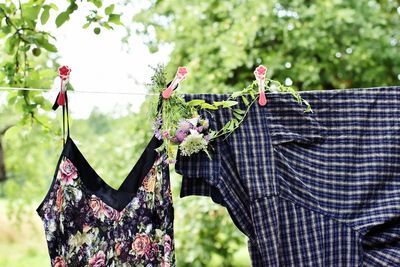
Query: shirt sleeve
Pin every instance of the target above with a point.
(200, 173)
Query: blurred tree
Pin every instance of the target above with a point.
(310, 44)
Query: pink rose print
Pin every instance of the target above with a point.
(68, 172)
(59, 262)
(97, 206)
(151, 251)
(111, 213)
(141, 244)
(167, 245)
(99, 260)
(60, 198)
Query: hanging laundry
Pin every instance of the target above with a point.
(89, 223)
(308, 189)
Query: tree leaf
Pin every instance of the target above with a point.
(86, 25)
(115, 18)
(62, 18)
(44, 17)
(108, 10)
(11, 44)
(44, 42)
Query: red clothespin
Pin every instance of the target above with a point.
(260, 72)
(63, 72)
(179, 76)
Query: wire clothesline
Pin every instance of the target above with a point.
(75, 91)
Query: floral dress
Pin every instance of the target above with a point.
(89, 223)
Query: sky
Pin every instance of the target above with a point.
(102, 63)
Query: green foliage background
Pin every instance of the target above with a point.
(316, 44)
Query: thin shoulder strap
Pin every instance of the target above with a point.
(65, 118)
(65, 114)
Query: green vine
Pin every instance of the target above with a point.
(179, 122)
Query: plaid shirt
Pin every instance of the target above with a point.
(308, 189)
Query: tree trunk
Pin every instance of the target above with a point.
(2, 164)
(3, 173)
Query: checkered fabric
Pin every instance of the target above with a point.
(308, 189)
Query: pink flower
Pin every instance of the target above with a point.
(165, 134)
(68, 172)
(99, 260)
(59, 262)
(260, 71)
(111, 213)
(167, 245)
(141, 244)
(60, 198)
(152, 251)
(97, 206)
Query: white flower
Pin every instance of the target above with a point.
(193, 143)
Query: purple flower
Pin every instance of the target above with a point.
(199, 129)
(184, 126)
(207, 138)
(180, 135)
(157, 134)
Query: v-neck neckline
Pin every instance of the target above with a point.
(120, 198)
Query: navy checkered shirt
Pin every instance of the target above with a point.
(308, 189)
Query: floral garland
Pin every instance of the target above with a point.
(179, 124)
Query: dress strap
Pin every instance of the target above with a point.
(65, 114)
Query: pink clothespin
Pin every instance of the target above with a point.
(179, 76)
(63, 72)
(260, 77)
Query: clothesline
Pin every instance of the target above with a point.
(84, 92)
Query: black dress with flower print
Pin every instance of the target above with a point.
(89, 223)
